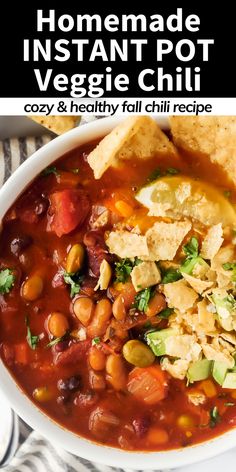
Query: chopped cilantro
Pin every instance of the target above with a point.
(155, 174)
(170, 275)
(49, 171)
(55, 341)
(123, 269)
(147, 325)
(231, 266)
(164, 314)
(75, 281)
(31, 339)
(214, 417)
(142, 299)
(172, 171)
(95, 341)
(191, 249)
(137, 261)
(6, 280)
(227, 193)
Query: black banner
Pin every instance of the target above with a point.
(178, 74)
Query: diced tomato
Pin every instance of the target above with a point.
(148, 385)
(68, 209)
(8, 353)
(21, 353)
(76, 352)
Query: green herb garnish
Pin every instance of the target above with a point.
(214, 417)
(32, 340)
(6, 280)
(172, 171)
(142, 299)
(191, 249)
(76, 170)
(155, 174)
(170, 275)
(148, 325)
(123, 269)
(55, 341)
(96, 341)
(229, 404)
(75, 281)
(231, 266)
(227, 193)
(164, 314)
(49, 171)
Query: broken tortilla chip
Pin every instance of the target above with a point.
(57, 124)
(214, 136)
(126, 244)
(138, 136)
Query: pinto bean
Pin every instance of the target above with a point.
(102, 314)
(116, 372)
(97, 358)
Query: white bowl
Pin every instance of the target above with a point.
(21, 403)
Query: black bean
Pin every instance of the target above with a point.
(20, 243)
(71, 384)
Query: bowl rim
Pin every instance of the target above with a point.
(24, 407)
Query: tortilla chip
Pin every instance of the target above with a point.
(179, 295)
(197, 284)
(183, 346)
(164, 239)
(212, 242)
(214, 136)
(105, 276)
(213, 354)
(126, 244)
(147, 141)
(57, 124)
(206, 319)
(178, 369)
(145, 275)
(137, 136)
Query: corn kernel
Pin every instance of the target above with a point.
(42, 394)
(185, 421)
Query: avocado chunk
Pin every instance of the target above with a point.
(225, 307)
(219, 371)
(156, 340)
(189, 264)
(230, 380)
(199, 370)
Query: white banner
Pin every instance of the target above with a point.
(117, 106)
